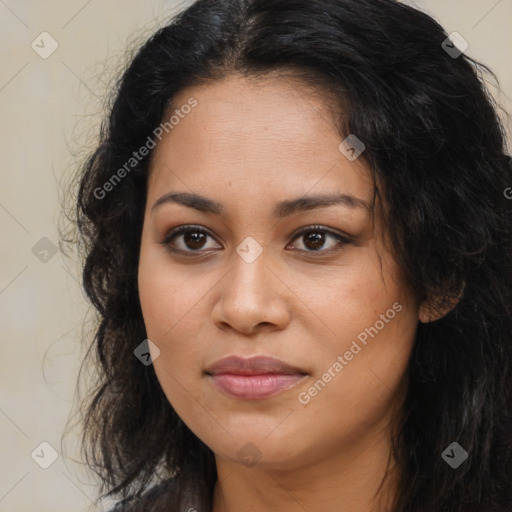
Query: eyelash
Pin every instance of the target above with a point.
(174, 233)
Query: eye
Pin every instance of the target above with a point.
(193, 239)
(314, 238)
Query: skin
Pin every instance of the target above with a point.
(248, 144)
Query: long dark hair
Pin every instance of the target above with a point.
(437, 147)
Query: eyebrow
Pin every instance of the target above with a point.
(281, 209)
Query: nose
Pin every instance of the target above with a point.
(252, 297)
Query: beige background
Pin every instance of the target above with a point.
(50, 109)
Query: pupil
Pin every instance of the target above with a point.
(193, 240)
(316, 238)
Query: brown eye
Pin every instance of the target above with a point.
(193, 238)
(314, 239)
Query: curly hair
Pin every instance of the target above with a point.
(438, 151)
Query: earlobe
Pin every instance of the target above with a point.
(431, 310)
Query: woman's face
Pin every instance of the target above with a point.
(330, 302)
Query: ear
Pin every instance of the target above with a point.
(435, 308)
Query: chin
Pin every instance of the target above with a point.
(257, 450)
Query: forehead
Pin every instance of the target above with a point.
(270, 135)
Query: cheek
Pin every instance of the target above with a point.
(371, 325)
(167, 296)
(352, 300)
(171, 302)
(359, 390)
(168, 311)
(157, 300)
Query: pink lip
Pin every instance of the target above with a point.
(254, 386)
(253, 378)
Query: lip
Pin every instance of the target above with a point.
(255, 365)
(253, 378)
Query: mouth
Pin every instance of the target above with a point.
(254, 378)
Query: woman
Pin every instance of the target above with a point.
(298, 242)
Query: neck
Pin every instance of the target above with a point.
(348, 480)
